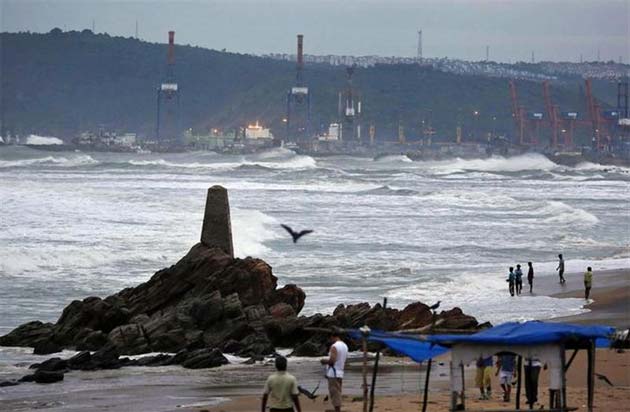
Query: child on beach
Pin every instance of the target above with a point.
(511, 279)
(506, 370)
(518, 275)
(588, 282)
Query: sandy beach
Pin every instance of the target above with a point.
(237, 387)
(610, 305)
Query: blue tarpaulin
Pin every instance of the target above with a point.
(529, 333)
(507, 334)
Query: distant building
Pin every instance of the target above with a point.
(334, 133)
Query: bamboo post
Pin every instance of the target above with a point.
(365, 384)
(426, 386)
(591, 376)
(375, 369)
(519, 365)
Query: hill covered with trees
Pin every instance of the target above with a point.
(61, 83)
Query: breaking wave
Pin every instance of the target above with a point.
(252, 229)
(393, 159)
(496, 164)
(43, 140)
(562, 214)
(71, 161)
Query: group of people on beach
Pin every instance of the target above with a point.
(281, 389)
(515, 278)
(506, 371)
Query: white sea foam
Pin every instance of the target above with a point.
(530, 161)
(65, 161)
(252, 229)
(560, 213)
(43, 140)
(296, 162)
(394, 159)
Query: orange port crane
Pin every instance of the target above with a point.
(518, 113)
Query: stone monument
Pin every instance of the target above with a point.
(217, 229)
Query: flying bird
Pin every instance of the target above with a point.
(295, 235)
(435, 306)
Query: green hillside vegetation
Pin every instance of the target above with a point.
(61, 83)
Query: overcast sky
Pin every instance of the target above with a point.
(553, 29)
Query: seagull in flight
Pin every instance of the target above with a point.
(295, 235)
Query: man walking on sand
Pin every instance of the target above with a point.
(560, 269)
(335, 364)
(483, 378)
(588, 282)
(530, 276)
(281, 390)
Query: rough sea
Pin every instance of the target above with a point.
(77, 224)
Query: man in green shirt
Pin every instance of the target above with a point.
(588, 282)
(281, 390)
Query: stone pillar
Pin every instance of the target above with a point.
(217, 229)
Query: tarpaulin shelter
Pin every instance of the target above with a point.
(547, 342)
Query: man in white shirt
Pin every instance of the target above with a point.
(335, 365)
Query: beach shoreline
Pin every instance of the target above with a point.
(236, 387)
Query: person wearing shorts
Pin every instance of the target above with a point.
(506, 371)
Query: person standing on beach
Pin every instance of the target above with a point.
(588, 282)
(511, 279)
(483, 379)
(530, 276)
(518, 276)
(281, 390)
(532, 372)
(560, 268)
(506, 370)
(335, 365)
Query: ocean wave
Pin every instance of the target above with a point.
(394, 159)
(251, 229)
(588, 166)
(496, 164)
(65, 161)
(296, 162)
(470, 199)
(389, 191)
(555, 212)
(43, 140)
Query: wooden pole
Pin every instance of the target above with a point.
(563, 390)
(365, 384)
(591, 376)
(519, 365)
(461, 365)
(375, 369)
(426, 387)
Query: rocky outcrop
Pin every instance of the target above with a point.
(206, 304)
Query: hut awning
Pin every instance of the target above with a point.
(421, 348)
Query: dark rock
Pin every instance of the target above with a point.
(282, 310)
(29, 334)
(204, 358)
(157, 360)
(129, 339)
(232, 346)
(51, 365)
(106, 358)
(79, 360)
(309, 348)
(256, 344)
(27, 378)
(8, 383)
(91, 340)
(41, 376)
(290, 294)
(46, 348)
